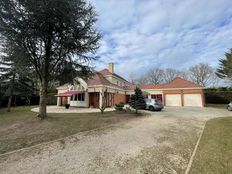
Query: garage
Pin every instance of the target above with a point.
(179, 92)
(173, 100)
(192, 100)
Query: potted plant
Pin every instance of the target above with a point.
(67, 106)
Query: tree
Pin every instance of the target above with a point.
(203, 74)
(103, 105)
(137, 100)
(170, 74)
(155, 76)
(13, 75)
(50, 32)
(141, 80)
(224, 70)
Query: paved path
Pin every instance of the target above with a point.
(61, 109)
(150, 144)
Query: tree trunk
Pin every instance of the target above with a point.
(9, 103)
(11, 93)
(0, 96)
(43, 101)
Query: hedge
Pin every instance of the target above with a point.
(218, 97)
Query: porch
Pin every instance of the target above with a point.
(85, 99)
(74, 98)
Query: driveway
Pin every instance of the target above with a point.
(158, 143)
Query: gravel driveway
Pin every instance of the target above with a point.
(159, 143)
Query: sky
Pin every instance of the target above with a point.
(138, 35)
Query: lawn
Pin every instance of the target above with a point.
(215, 150)
(20, 128)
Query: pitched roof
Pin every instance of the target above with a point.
(176, 83)
(106, 72)
(99, 79)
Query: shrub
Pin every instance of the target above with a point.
(218, 97)
(119, 107)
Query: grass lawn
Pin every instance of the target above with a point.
(20, 127)
(219, 106)
(214, 154)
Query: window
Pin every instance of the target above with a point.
(75, 97)
(81, 97)
(157, 96)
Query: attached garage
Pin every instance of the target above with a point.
(192, 100)
(173, 100)
(179, 92)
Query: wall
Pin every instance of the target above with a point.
(116, 81)
(119, 98)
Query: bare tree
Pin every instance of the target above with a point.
(141, 80)
(103, 105)
(170, 74)
(155, 76)
(203, 74)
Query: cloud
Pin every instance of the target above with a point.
(141, 34)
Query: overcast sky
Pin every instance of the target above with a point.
(141, 34)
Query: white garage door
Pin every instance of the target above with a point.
(192, 100)
(173, 100)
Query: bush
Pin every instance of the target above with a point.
(51, 99)
(218, 97)
(119, 107)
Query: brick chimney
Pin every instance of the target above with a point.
(111, 67)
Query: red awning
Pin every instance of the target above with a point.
(68, 93)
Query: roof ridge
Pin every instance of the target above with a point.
(186, 81)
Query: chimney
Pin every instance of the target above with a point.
(111, 68)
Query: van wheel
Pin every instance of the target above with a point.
(151, 108)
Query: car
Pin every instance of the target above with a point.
(229, 106)
(154, 105)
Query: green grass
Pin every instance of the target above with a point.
(214, 155)
(20, 128)
(219, 106)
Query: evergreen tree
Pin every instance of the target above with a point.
(50, 32)
(225, 66)
(14, 72)
(137, 100)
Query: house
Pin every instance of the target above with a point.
(108, 87)
(89, 93)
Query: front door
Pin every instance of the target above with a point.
(94, 99)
